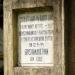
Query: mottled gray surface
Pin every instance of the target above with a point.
(1, 39)
(1, 63)
(1, 45)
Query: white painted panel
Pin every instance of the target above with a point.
(36, 39)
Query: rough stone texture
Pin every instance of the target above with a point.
(32, 71)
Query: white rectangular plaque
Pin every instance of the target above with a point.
(36, 39)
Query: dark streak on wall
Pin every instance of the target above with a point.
(70, 36)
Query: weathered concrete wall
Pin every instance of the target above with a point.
(10, 33)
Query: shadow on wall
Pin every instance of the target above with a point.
(1, 51)
(1, 37)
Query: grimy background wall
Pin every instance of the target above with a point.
(70, 36)
(11, 10)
